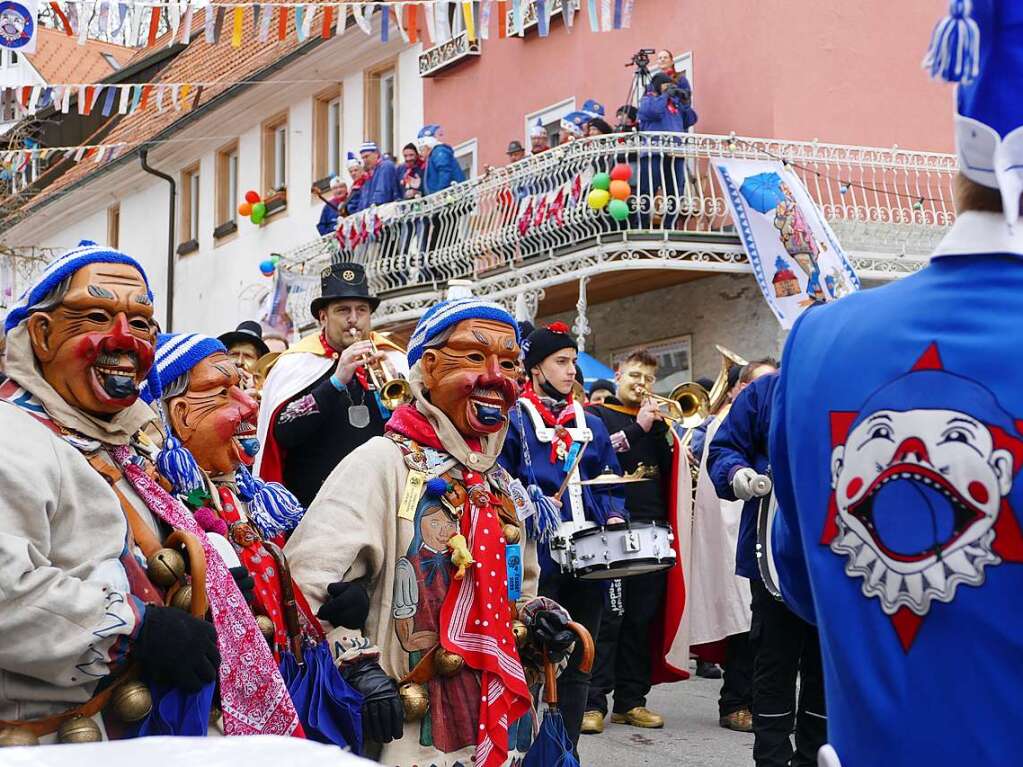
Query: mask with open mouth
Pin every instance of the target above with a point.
(472, 377)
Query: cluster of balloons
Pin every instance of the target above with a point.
(269, 266)
(253, 207)
(611, 191)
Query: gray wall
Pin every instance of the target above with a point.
(724, 309)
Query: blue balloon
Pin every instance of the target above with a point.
(267, 266)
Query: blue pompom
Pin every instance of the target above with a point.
(86, 244)
(273, 509)
(436, 487)
(179, 466)
(954, 53)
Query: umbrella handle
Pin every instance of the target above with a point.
(196, 567)
(589, 652)
(288, 605)
(550, 669)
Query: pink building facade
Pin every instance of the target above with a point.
(839, 72)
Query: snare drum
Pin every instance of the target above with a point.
(616, 551)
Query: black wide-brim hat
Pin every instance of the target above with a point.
(247, 332)
(340, 281)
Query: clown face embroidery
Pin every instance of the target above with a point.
(920, 478)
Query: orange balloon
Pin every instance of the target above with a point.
(620, 190)
(245, 209)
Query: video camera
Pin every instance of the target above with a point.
(641, 60)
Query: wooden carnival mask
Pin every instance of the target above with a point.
(214, 418)
(472, 377)
(97, 346)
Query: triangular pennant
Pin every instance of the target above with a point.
(617, 21)
(210, 25)
(134, 22)
(627, 14)
(136, 97)
(328, 21)
(412, 22)
(429, 15)
(84, 17)
(385, 24)
(443, 22)
(483, 28)
(307, 20)
(72, 17)
(542, 19)
(33, 97)
(605, 15)
(399, 23)
(108, 100)
(65, 101)
(218, 23)
(299, 26)
(121, 16)
(186, 26)
(125, 99)
(518, 18)
(470, 21)
(265, 18)
(173, 19)
(502, 19)
(237, 26)
(568, 14)
(359, 13)
(186, 88)
(282, 22)
(342, 19)
(154, 25)
(591, 12)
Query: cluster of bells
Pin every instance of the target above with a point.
(414, 697)
(131, 700)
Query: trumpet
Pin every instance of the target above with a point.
(688, 404)
(394, 391)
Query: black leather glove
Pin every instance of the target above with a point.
(177, 649)
(550, 631)
(348, 605)
(383, 716)
(245, 582)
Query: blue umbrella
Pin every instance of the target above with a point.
(763, 191)
(176, 712)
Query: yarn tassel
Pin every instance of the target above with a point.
(541, 526)
(273, 509)
(178, 465)
(954, 53)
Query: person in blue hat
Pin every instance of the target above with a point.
(442, 169)
(383, 185)
(359, 176)
(897, 449)
(332, 207)
(572, 126)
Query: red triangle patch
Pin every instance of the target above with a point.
(930, 359)
(907, 623)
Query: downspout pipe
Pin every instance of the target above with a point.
(171, 258)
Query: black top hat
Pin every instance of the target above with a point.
(340, 281)
(249, 332)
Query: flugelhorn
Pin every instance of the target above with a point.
(688, 404)
(394, 391)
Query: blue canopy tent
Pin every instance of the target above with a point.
(592, 369)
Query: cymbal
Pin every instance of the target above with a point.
(614, 479)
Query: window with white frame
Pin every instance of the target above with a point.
(381, 94)
(334, 136)
(550, 119)
(280, 170)
(190, 204)
(466, 156)
(275, 154)
(227, 185)
(327, 154)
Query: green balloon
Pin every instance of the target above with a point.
(619, 209)
(601, 181)
(275, 260)
(259, 209)
(257, 216)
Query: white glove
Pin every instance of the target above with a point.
(747, 484)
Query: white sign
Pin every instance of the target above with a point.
(795, 255)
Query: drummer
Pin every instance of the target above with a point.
(549, 434)
(640, 438)
(784, 645)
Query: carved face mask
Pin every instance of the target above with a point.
(472, 377)
(214, 419)
(97, 346)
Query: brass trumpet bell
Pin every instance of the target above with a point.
(687, 404)
(395, 393)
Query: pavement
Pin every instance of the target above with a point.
(691, 736)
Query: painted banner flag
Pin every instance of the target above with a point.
(19, 25)
(795, 255)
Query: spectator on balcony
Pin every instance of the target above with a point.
(332, 207)
(515, 151)
(442, 169)
(665, 109)
(539, 141)
(382, 186)
(593, 109)
(598, 126)
(412, 172)
(628, 119)
(572, 126)
(359, 176)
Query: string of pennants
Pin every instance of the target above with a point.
(226, 20)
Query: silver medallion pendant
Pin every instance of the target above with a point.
(358, 416)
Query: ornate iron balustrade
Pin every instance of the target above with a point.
(889, 207)
(447, 53)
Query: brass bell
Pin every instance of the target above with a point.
(266, 628)
(182, 598)
(511, 533)
(79, 729)
(521, 633)
(447, 663)
(131, 702)
(165, 567)
(17, 736)
(415, 700)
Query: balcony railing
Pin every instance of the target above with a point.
(888, 207)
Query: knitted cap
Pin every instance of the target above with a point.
(442, 316)
(86, 253)
(369, 146)
(352, 161)
(593, 108)
(177, 354)
(543, 342)
(429, 135)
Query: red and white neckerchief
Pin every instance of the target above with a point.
(475, 622)
(562, 441)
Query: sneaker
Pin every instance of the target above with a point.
(639, 717)
(707, 670)
(593, 723)
(740, 721)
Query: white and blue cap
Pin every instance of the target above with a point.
(575, 122)
(177, 354)
(442, 316)
(593, 108)
(86, 253)
(537, 129)
(979, 45)
(369, 146)
(353, 161)
(429, 135)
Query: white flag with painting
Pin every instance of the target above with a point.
(796, 258)
(19, 25)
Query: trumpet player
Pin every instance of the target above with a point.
(318, 403)
(784, 646)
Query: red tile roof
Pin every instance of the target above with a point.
(60, 59)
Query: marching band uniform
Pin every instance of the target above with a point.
(897, 447)
(306, 424)
(543, 440)
(783, 644)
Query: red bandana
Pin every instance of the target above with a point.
(562, 439)
(409, 422)
(476, 624)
